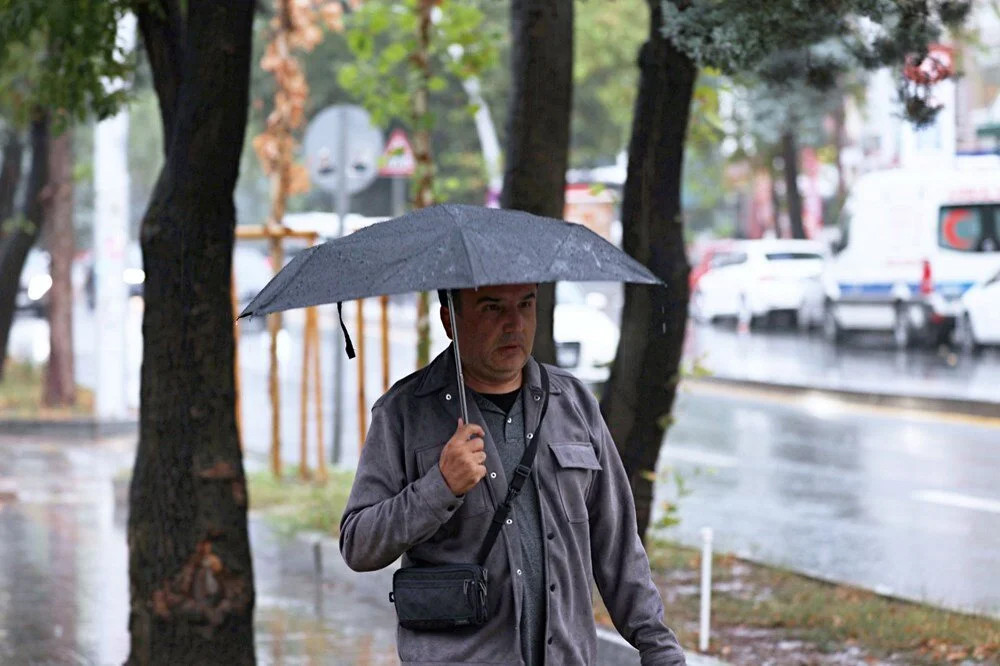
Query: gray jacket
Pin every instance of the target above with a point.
(401, 506)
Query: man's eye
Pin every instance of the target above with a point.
(492, 307)
(526, 304)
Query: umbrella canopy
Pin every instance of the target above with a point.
(450, 246)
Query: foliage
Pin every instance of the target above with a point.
(21, 395)
(819, 41)
(295, 26)
(65, 59)
(294, 505)
(382, 36)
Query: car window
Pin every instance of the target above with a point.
(969, 228)
(728, 259)
(793, 256)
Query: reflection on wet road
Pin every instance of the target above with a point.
(64, 571)
(895, 501)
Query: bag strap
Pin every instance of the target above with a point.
(521, 474)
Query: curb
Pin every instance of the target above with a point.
(978, 408)
(73, 428)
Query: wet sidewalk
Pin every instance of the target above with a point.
(64, 571)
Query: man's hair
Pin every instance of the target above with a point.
(443, 299)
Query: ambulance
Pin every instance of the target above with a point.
(915, 239)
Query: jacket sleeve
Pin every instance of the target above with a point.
(621, 568)
(385, 516)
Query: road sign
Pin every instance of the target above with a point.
(331, 126)
(397, 160)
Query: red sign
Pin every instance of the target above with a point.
(937, 66)
(397, 160)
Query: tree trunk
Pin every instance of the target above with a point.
(14, 245)
(790, 157)
(424, 173)
(190, 570)
(60, 387)
(10, 176)
(643, 382)
(538, 126)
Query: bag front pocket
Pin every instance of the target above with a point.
(577, 465)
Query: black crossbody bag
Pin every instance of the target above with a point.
(450, 596)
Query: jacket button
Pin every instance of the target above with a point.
(552, 587)
(551, 536)
(549, 641)
(451, 507)
(537, 398)
(530, 435)
(493, 475)
(447, 396)
(509, 521)
(518, 572)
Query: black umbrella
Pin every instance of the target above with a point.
(450, 246)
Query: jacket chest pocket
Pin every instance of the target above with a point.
(577, 464)
(475, 500)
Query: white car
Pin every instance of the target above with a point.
(586, 338)
(757, 279)
(979, 324)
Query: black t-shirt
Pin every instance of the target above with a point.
(503, 401)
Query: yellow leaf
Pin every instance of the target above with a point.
(298, 181)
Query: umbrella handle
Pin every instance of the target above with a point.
(458, 359)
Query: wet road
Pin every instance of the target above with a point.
(866, 363)
(897, 501)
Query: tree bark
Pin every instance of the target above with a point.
(10, 176)
(790, 158)
(538, 126)
(60, 386)
(190, 570)
(643, 383)
(14, 245)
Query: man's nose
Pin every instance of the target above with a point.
(513, 320)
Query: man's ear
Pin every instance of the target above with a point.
(445, 320)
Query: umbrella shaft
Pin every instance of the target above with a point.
(458, 359)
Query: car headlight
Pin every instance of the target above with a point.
(38, 286)
(133, 276)
(567, 354)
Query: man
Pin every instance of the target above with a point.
(427, 486)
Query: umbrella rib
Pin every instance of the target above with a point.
(465, 244)
(291, 277)
(555, 254)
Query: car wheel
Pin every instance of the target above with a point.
(832, 331)
(902, 334)
(965, 337)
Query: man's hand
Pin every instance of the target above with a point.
(462, 458)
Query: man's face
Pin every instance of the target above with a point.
(496, 331)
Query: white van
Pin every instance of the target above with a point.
(916, 239)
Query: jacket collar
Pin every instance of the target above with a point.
(440, 374)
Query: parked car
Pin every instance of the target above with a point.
(586, 338)
(979, 323)
(759, 280)
(702, 257)
(916, 240)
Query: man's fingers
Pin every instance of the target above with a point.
(475, 444)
